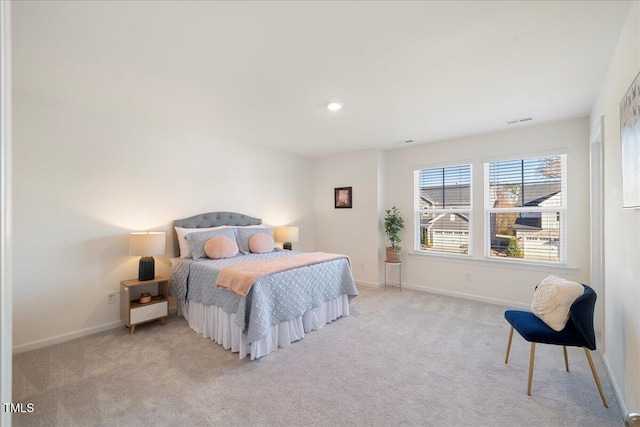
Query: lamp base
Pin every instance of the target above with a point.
(146, 268)
(287, 245)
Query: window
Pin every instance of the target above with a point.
(525, 209)
(442, 207)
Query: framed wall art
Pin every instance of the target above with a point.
(630, 145)
(343, 198)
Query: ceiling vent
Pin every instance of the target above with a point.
(525, 119)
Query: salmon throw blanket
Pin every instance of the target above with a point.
(239, 278)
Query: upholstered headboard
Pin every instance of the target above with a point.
(212, 219)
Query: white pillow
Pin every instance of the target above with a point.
(552, 301)
(185, 250)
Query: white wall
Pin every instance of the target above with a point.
(622, 226)
(84, 179)
(5, 212)
(354, 232)
(494, 281)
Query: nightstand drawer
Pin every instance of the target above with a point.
(149, 312)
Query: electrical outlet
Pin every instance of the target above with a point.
(111, 297)
(468, 277)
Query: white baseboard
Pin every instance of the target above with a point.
(84, 332)
(614, 385)
(65, 337)
(72, 335)
(369, 284)
(489, 300)
(421, 288)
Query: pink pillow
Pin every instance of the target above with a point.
(220, 247)
(261, 243)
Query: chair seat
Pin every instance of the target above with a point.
(535, 330)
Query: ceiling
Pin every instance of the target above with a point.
(262, 73)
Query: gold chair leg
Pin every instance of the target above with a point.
(595, 376)
(566, 359)
(533, 352)
(506, 359)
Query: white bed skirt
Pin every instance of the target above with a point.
(221, 327)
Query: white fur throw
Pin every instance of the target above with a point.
(552, 301)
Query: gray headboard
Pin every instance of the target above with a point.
(212, 219)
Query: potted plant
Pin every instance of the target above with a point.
(393, 225)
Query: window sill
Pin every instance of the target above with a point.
(496, 263)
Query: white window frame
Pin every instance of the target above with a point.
(488, 210)
(417, 212)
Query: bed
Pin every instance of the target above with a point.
(277, 310)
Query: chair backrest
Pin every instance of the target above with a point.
(581, 314)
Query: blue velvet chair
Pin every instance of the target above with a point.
(578, 333)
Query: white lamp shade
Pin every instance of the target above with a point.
(147, 243)
(286, 234)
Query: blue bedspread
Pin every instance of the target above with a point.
(272, 299)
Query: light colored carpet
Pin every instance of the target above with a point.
(401, 358)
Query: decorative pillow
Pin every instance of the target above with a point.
(261, 243)
(244, 234)
(552, 301)
(220, 247)
(185, 250)
(197, 240)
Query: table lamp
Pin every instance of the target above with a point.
(146, 244)
(286, 235)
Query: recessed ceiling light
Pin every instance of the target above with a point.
(334, 106)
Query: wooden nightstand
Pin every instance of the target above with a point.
(133, 313)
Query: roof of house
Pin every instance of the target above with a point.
(454, 196)
(534, 194)
(444, 222)
(459, 196)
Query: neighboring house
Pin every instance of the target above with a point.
(445, 231)
(537, 233)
